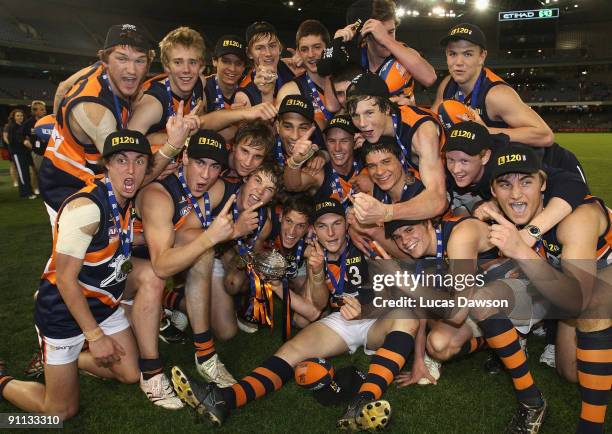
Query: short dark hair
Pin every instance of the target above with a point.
(347, 73)
(351, 103)
(300, 203)
(384, 10)
(381, 146)
(314, 28)
(272, 169)
(259, 131)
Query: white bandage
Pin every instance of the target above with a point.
(71, 240)
(97, 129)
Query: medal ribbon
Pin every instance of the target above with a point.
(192, 101)
(205, 219)
(405, 157)
(337, 284)
(118, 110)
(125, 236)
(280, 156)
(317, 98)
(219, 100)
(473, 97)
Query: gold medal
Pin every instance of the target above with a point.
(127, 267)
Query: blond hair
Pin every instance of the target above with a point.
(184, 36)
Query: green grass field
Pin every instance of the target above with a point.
(466, 400)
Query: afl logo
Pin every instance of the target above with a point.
(112, 232)
(186, 210)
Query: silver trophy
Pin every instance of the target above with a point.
(270, 265)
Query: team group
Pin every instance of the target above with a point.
(324, 157)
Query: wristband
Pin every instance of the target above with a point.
(388, 216)
(318, 277)
(164, 155)
(293, 165)
(93, 335)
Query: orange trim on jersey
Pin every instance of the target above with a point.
(493, 77)
(102, 297)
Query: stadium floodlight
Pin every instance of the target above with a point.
(400, 12)
(439, 11)
(481, 5)
(290, 3)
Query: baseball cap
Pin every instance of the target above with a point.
(393, 225)
(126, 140)
(342, 388)
(469, 137)
(465, 31)
(514, 158)
(368, 84)
(341, 121)
(208, 144)
(327, 206)
(259, 27)
(126, 34)
(297, 104)
(230, 44)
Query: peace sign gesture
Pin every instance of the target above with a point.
(247, 222)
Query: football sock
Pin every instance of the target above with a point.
(268, 377)
(204, 346)
(150, 367)
(550, 325)
(386, 364)
(503, 338)
(172, 297)
(471, 346)
(594, 363)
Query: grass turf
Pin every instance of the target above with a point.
(465, 399)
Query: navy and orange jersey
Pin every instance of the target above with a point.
(230, 188)
(210, 90)
(328, 189)
(306, 92)
(552, 249)
(180, 201)
(356, 275)
(70, 164)
(156, 87)
(409, 119)
(398, 79)
(410, 190)
(101, 280)
(486, 81)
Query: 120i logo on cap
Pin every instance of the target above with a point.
(510, 158)
(296, 102)
(460, 31)
(123, 140)
(463, 133)
(230, 43)
(209, 142)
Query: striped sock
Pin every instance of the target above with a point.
(503, 338)
(172, 297)
(594, 363)
(268, 377)
(204, 346)
(471, 346)
(150, 367)
(386, 364)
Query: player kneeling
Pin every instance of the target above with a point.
(83, 283)
(389, 340)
